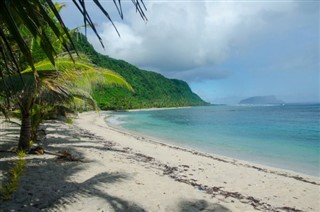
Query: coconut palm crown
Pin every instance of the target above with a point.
(55, 85)
(26, 82)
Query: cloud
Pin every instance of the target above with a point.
(189, 40)
(201, 73)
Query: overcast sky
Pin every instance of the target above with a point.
(225, 50)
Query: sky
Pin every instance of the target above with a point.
(225, 50)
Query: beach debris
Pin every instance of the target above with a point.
(143, 158)
(169, 170)
(202, 188)
(285, 208)
(176, 174)
(237, 163)
(219, 191)
(67, 156)
(127, 149)
(38, 150)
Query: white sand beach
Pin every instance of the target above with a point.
(115, 170)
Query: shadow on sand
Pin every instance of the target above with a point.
(48, 184)
(200, 205)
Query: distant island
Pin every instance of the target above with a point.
(262, 100)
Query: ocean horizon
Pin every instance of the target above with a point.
(282, 136)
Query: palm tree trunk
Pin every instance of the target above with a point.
(25, 131)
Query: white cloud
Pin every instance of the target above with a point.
(181, 37)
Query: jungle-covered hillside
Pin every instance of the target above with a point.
(150, 89)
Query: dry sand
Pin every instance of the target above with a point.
(117, 171)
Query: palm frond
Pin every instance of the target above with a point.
(84, 95)
(64, 81)
(8, 12)
(81, 73)
(23, 22)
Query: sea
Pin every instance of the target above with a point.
(282, 136)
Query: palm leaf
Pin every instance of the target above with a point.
(25, 21)
(69, 79)
(34, 25)
(64, 28)
(107, 14)
(7, 16)
(81, 73)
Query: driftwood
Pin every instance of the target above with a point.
(38, 150)
(62, 155)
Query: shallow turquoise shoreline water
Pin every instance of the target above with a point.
(285, 136)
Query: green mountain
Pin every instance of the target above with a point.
(150, 89)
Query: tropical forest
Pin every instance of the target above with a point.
(48, 70)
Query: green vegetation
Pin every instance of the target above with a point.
(37, 79)
(54, 89)
(21, 154)
(150, 89)
(40, 77)
(69, 120)
(34, 18)
(12, 181)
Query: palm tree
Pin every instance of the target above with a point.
(21, 24)
(72, 79)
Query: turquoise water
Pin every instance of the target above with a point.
(285, 136)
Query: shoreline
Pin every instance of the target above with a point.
(248, 166)
(235, 161)
(120, 171)
(120, 129)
